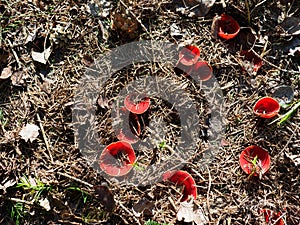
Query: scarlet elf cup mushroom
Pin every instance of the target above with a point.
(228, 27)
(266, 107)
(255, 161)
(138, 106)
(117, 159)
(201, 69)
(183, 178)
(189, 55)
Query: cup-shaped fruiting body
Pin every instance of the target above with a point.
(182, 178)
(117, 159)
(255, 160)
(228, 27)
(189, 55)
(201, 70)
(266, 107)
(136, 104)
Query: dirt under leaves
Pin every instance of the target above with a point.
(45, 48)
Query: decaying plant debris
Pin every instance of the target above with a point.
(45, 47)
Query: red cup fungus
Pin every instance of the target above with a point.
(117, 159)
(255, 167)
(228, 27)
(201, 69)
(137, 107)
(189, 55)
(266, 107)
(182, 178)
(272, 217)
(127, 135)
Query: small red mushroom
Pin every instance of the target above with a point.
(137, 107)
(182, 178)
(228, 27)
(127, 135)
(272, 217)
(266, 107)
(201, 69)
(189, 55)
(255, 160)
(117, 158)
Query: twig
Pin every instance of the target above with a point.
(18, 200)
(44, 137)
(277, 67)
(139, 21)
(76, 179)
(15, 54)
(130, 213)
(207, 196)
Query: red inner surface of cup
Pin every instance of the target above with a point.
(182, 178)
(228, 27)
(189, 55)
(110, 164)
(137, 107)
(201, 69)
(266, 107)
(251, 152)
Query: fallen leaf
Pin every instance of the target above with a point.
(7, 184)
(193, 8)
(189, 212)
(105, 197)
(6, 73)
(42, 57)
(45, 204)
(18, 78)
(291, 25)
(143, 206)
(29, 132)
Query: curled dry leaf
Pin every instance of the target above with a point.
(291, 25)
(105, 197)
(143, 206)
(6, 73)
(45, 204)
(194, 8)
(42, 57)
(189, 212)
(29, 132)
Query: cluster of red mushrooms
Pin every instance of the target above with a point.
(228, 29)
(254, 160)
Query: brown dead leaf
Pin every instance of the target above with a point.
(291, 25)
(42, 57)
(18, 78)
(143, 206)
(189, 212)
(6, 72)
(105, 197)
(88, 60)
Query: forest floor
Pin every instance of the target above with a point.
(46, 47)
